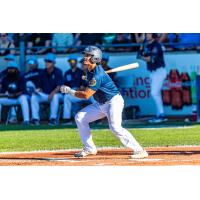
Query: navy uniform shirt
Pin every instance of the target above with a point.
(154, 50)
(101, 82)
(13, 86)
(74, 79)
(48, 82)
(34, 76)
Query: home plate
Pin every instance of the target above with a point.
(147, 160)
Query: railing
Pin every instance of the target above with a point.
(101, 46)
(22, 49)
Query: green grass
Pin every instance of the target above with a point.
(19, 138)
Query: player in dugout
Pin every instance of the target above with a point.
(13, 91)
(74, 79)
(51, 79)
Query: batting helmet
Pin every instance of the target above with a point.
(95, 52)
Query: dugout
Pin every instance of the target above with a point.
(134, 84)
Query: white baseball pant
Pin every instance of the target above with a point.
(157, 78)
(21, 100)
(41, 97)
(67, 105)
(113, 111)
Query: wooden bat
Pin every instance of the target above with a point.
(119, 69)
(122, 68)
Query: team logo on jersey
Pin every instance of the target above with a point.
(92, 82)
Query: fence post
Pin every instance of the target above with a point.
(22, 53)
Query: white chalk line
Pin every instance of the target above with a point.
(99, 148)
(161, 128)
(39, 160)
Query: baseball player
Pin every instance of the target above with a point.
(73, 78)
(13, 91)
(105, 66)
(151, 52)
(32, 76)
(109, 104)
(13, 114)
(51, 79)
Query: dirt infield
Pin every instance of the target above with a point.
(160, 156)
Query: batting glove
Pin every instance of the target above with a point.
(67, 90)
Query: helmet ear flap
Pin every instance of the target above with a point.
(92, 59)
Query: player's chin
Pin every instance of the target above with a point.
(85, 62)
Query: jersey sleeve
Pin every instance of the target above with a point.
(95, 83)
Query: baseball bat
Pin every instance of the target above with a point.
(124, 67)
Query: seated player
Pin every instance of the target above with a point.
(33, 75)
(13, 114)
(13, 91)
(51, 79)
(73, 78)
(105, 66)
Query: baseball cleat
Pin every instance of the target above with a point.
(67, 122)
(84, 153)
(139, 154)
(36, 122)
(158, 119)
(52, 122)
